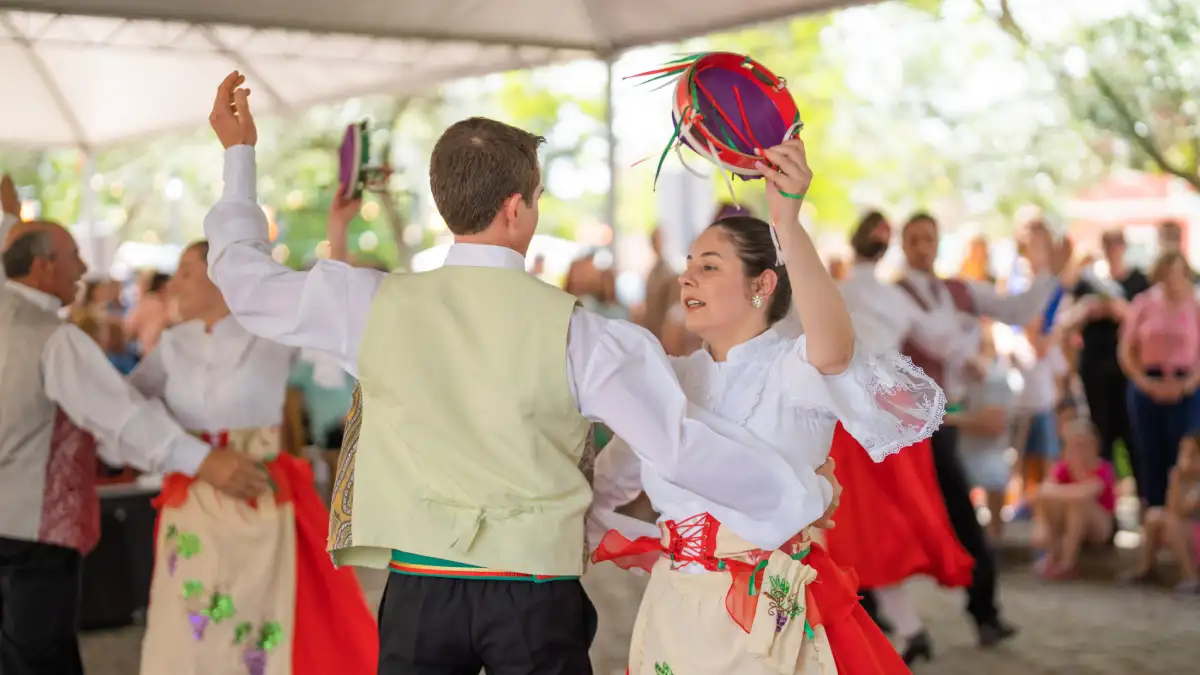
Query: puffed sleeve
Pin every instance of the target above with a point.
(884, 401)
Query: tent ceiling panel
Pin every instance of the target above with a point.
(95, 72)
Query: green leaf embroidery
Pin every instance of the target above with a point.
(192, 589)
(663, 669)
(270, 636)
(242, 631)
(220, 608)
(188, 545)
(779, 587)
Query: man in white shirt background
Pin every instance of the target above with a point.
(944, 302)
(61, 403)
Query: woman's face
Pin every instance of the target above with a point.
(714, 291)
(191, 288)
(1176, 280)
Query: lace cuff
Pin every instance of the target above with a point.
(884, 401)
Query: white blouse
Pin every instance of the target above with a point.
(767, 386)
(219, 380)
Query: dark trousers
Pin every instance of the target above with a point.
(956, 491)
(435, 626)
(39, 606)
(1104, 387)
(1159, 428)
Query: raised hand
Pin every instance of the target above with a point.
(343, 210)
(230, 117)
(787, 181)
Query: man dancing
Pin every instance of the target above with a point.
(478, 385)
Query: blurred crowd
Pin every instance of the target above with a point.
(1102, 384)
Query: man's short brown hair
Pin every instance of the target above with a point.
(477, 164)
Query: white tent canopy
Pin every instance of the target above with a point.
(88, 73)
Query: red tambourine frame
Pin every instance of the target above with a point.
(698, 135)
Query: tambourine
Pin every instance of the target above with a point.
(727, 108)
(355, 171)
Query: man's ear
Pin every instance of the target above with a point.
(511, 207)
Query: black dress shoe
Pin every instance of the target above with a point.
(994, 631)
(918, 647)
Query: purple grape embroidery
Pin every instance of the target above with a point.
(783, 602)
(218, 609)
(199, 624)
(254, 656)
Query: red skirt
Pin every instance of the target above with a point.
(334, 629)
(858, 646)
(891, 523)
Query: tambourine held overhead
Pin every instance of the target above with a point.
(727, 108)
(356, 174)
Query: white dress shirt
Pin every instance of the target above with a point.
(129, 429)
(617, 372)
(884, 316)
(219, 380)
(943, 316)
(767, 386)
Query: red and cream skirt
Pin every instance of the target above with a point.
(246, 588)
(715, 605)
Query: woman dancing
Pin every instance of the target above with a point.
(241, 587)
(893, 524)
(717, 603)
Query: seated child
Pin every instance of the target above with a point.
(1177, 525)
(1075, 505)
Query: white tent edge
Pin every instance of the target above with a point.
(198, 15)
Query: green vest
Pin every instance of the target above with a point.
(471, 441)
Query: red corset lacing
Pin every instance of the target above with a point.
(175, 485)
(694, 541)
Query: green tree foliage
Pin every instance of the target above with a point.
(1130, 77)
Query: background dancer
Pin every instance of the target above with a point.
(892, 524)
(945, 302)
(478, 386)
(719, 600)
(241, 584)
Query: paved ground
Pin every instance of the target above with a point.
(1090, 627)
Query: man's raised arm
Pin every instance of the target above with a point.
(325, 308)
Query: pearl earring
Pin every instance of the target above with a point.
(756, 301)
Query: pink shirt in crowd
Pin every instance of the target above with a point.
(1167, 336)
(1061, 474)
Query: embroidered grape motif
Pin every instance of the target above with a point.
(783, 602)
(254, 656)
(219, 608)
(181, 544)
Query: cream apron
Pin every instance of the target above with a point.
(222, 599)
(684, 628)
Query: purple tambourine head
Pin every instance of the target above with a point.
(351, 160)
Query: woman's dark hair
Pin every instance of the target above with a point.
(157, 282)
(751, 238)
